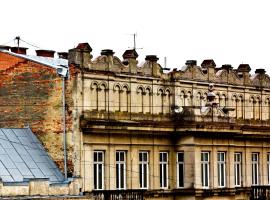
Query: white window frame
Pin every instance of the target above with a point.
(255, 168)
(237, 169)
(120, 175)
(205, 169)
(163, 167)
(178, 164)
(268, 168)
(144, 169)
(221, 162)
(97, 163)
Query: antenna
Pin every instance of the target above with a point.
(165, 64)
(134, 41)
(18, 38)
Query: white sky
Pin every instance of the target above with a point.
(228, 31)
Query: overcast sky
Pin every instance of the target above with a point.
(228, 31)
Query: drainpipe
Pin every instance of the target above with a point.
(63, 72)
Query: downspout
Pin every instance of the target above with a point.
(63, 73)
(64, 127)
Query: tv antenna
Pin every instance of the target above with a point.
(134, 41)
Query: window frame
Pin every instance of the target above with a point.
(237, 169)
(163, 163)
(120, 181)
(205, 164)
(255, 180)
(221, 164)
(96, 164)
(178, 164)
(142, 165)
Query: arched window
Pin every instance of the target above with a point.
(102, 97)
(204, 99)
(140, 100)
(117, 98)
(147, 101)
(222, 100)
(233, 106)
(159, 106)
(239, 105)
(257, 108)
(188, 99)
(125, 99)
(167, 102)
(94, 96)
(198, 99)
(181, 99)
(252, 108)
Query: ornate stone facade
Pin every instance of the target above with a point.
(194, 148)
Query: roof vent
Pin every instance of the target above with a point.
(45, 53)
(19, 50)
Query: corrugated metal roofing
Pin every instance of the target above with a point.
(22, 157)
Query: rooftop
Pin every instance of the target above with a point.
(22, 157)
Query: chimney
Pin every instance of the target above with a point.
(45, 53)
(3, 47)
(151, 58)
(191, 62)
(260, 71)
(227, 67)
(244, 68)
(107, 52)
(19, 50)
(63, 55)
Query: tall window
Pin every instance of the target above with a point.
(237, 169)
(255, 168)
(268, 168)
(163, 169)
(180, 169)
(98, 170)
(205, 161)
(221, 169)
(120, 170)
(144, 167)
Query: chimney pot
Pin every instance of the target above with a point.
(260, 71)
(152, 58)
(107, 52)
(45, 53)
(63, 55)
(4, 47)
(191, 62)
(130, 53)
(19, 50)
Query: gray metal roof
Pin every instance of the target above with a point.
(23, 157)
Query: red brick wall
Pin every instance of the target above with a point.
(31, 94)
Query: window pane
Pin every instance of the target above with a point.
(180, 157)
(181, 175)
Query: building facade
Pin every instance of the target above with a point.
(171, 134)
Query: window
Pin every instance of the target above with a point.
(237, 169)
(255, 168)
(98, 170)
(180, 169)
(205, 169)
(163, 167)
(120, 170)
(221, 169)
(268, 168)
(143, 167)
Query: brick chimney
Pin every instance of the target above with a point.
(19, 50)
(45, 53)
(63, 55)
(3, 47)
